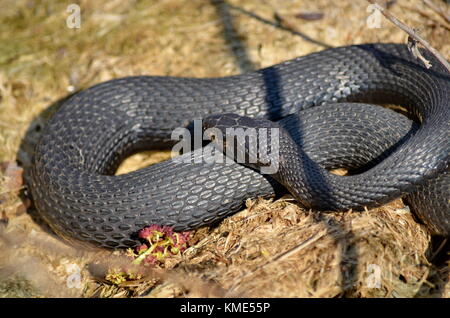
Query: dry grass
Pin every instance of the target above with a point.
(271, 249)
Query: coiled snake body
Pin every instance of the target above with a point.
(74, 190)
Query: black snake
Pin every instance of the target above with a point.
(74, 189)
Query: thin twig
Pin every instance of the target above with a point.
(437, 9)
(412, 34)
(439, 249)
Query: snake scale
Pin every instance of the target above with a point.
(318, 99)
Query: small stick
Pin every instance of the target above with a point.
(437, 9)
(413, 36)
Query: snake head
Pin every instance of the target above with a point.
(253, 142)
